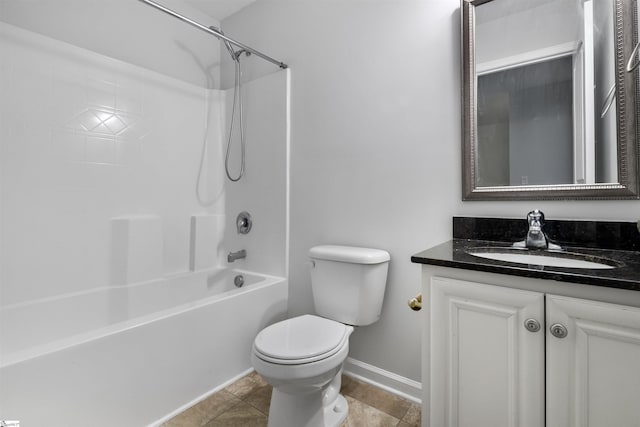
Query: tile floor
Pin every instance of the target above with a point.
(245, 403)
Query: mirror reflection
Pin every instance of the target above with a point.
(545, 104)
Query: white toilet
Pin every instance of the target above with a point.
(302, 357)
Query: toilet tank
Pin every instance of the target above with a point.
(348, 283)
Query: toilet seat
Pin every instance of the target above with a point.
(300, 340)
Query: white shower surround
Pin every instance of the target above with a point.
(84, 140)
(64, 182)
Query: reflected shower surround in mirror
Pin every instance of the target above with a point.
(549, 110)
(525, 125)
(528, 85)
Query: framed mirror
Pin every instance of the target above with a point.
(549, 108)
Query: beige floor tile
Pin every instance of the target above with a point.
(246, 404)
(348, 385)
(413, 417)
(258, 378)
(184, 419)
(379, 399)
(245, 385)
(363, 415)
(201, 413)
(241, 415)
(260, 398)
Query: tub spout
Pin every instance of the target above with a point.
(236, 255)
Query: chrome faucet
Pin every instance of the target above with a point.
(236, 255)
(536, 239)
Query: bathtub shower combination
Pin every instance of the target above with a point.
(118, 304)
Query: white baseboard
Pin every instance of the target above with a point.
(393, 383)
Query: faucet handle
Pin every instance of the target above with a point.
(535, 217)
(537, 213)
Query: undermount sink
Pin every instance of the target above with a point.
(544, 258)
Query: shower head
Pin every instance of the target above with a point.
(233, 53)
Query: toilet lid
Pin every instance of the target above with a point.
(301, 338)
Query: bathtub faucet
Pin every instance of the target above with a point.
(236, 255)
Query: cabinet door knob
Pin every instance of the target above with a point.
(415, 303)
(532, 325)
(558, 330)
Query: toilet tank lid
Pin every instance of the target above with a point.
(351, 254)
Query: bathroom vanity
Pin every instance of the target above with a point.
(512, 344)
(532, 334)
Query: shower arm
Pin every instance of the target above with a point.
(213, 32)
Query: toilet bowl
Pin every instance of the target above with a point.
(302, 357)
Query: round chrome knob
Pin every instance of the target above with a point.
(558, 330)
(244, 222)
(532, 325)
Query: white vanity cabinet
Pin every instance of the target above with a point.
(494, 353)
(486, 369)
(593, 374)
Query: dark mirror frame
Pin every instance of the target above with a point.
(627, 97)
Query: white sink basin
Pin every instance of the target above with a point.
(547, 259)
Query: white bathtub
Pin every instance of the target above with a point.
(131, 355)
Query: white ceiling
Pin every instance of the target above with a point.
(219, 9)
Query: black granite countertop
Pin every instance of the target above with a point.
(468, 236)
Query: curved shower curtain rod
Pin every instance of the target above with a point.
(214, 32)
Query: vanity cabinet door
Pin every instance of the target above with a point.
(487, 368)
(593, 373)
